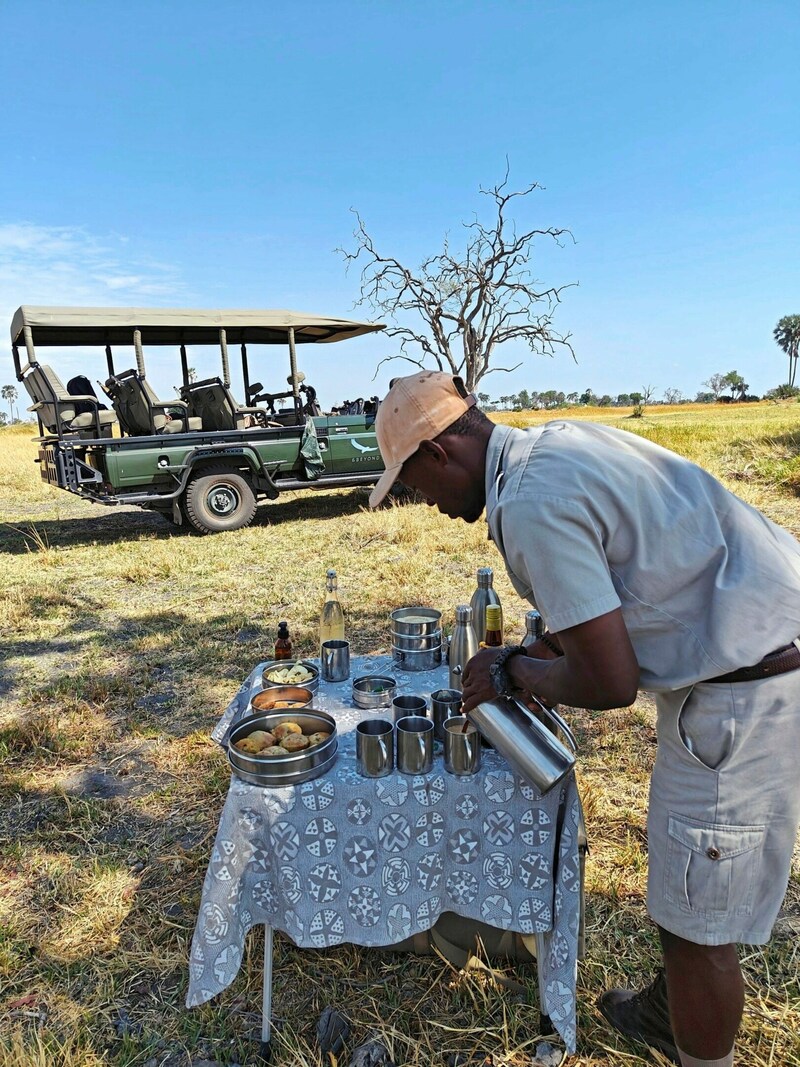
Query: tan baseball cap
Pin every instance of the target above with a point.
(416, 409)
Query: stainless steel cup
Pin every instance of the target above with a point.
(375, 748)
(462, 751)
(445, 703)
(414, 745)
(334, 658)
(408, 705)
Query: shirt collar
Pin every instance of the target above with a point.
(494, 473)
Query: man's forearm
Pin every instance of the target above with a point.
(554, 681)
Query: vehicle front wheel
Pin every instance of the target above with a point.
(219, 499)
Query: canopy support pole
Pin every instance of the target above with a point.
(109, 361)
(245, 374)
(293, 365)
(137, 345)
(184, 366)
(226, 370)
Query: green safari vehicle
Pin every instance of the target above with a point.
(204, 459)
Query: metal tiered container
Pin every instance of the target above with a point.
(416, 638)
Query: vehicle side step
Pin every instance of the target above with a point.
(331, 481)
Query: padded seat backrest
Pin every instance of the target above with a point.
(214, 404)
(128, 397)
(46, 388)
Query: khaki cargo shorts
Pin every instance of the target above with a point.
(724, 808)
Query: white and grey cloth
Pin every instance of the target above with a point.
(372, 861)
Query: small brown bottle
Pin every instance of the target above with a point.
(494, 626)
(283, 643)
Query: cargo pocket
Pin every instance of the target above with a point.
(712, 868)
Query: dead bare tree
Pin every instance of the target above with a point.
(468, 304)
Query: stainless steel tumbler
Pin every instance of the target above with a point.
(408, 705)
(414, 745)
(445, 703)
(375, 748)
(462, 751)
(334, 658)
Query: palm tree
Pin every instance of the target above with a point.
(787, 337)
(9, 394)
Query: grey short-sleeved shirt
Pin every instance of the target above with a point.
(589, 519)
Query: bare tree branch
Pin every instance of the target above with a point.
(465, 305)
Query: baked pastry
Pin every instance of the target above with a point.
(273, 750)
(318, 737)
(284, 728)
(255, 742)
(294, 742)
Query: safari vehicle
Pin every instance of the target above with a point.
(203, 459)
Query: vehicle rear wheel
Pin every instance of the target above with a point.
(219, 499)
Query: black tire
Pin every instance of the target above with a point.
(219, 499)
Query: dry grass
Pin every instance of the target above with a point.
(124, 640)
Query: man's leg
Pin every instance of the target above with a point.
(706, 995)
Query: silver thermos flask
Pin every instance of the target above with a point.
(534, 628)
(533, 750)
(463, 644)
(484, 595)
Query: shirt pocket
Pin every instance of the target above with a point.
(712, 868)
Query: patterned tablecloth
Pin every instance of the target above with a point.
(371, 861)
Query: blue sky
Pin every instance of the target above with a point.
(193, 154)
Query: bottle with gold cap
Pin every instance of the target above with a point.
(493, 638)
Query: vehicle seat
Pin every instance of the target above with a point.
(216, 405)
(78, 414)
(141, 413)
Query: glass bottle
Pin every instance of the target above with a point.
(463, 644)
(494, 627)
(283, 642)
(484, 595)
(331, 620)
(534, 628)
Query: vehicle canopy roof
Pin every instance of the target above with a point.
(65, 326)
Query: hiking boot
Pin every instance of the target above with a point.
(643, 1016)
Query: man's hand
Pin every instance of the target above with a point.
(477, 684)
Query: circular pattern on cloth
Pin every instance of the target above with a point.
(499, 786)
(324, 883)
(318, 795)
(428, 789)
(392, 790)
(429, 829)
(463, 846)
(535, 826)
(394, 832)
(429, 872)
(467, 806)
(285, 840)
(326, 928)
(396, 877)
(498, 870)
(398, 922)
(360, 855)
(359, 811)
(320, 837)
(364, 905)
(290, 885)
(462, 887)
(499, 828)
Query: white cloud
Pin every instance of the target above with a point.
(68, 265)
(64, 266)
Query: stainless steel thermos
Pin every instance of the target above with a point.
(484, 595)
(463, 644)
(531, 748)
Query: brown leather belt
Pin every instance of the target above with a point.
(781, 661)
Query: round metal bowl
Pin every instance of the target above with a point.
(417, 642)
(267, 699)
(311, 683)
(294, 767)
(426, 660)
(415, 622)
(374, 690)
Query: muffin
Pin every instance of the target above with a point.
(318, 737)
(284, 728)
(294, 742)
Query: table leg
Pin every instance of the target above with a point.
(266, 1003)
